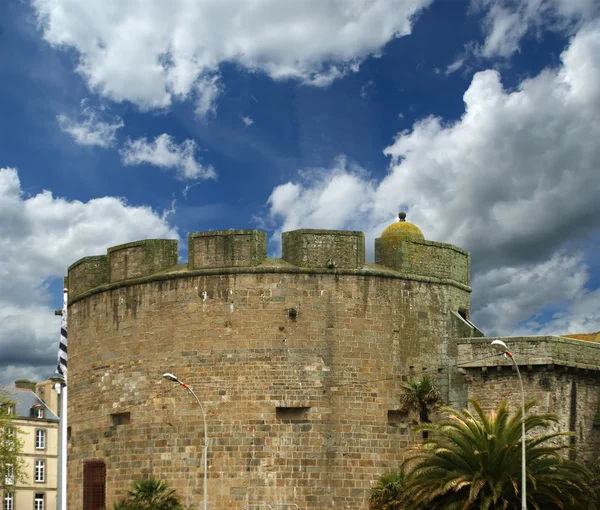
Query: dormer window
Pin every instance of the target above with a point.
(39, 412)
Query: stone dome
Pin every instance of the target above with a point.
(403, 230)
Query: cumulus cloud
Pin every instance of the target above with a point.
(165, 153)
(94, 128)
(247, 121)
(40, 236)
(513, 180)
(506, 22)
(165, 51)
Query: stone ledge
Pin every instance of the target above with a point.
(530, 350)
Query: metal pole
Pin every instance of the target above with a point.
(205, 446)
(174, 378)
(523, 450)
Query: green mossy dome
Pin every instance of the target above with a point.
(403, 230)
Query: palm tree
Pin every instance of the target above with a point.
(420, 397)
(150, 494)
(472, 461)
(386, 494)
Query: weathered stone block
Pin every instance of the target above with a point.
(141, 258)
(226, 248)
(329, 249)
(87, 273)
(424, 258)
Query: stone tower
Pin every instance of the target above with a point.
(299, 362)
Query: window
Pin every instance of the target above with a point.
(38, 502)
(10, 438)
(292, 414)
(10, 475)
(40, 439)
(10, 409)
(40, 471)
(9, 501)
(117, 419)
(39, 412)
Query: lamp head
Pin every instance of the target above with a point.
(500, 346)
(171, 377)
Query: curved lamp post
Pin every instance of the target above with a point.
(501, 347)
(171, 377)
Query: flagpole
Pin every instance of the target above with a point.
(61, 369)
(63, 447)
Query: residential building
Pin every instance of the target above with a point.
(36, 425)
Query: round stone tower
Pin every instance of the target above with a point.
(298, 361)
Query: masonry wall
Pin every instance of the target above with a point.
(560, 374)
(570, 395)
(334, 345)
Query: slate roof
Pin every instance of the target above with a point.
(25, 400)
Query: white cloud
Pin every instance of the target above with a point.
(208, 90)
(511, 294)
(513, 180)
(40, 236)
(506, 22)
(247, 121)
(455, 66)
(165, 153)
(92, 130)
(156, 52)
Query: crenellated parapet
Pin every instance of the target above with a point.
(226, 248)
(87, 273)
(404, 254)
(123, 262)
(330, 249)
(141, 258)
(424, 258)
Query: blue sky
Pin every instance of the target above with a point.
(481, 118)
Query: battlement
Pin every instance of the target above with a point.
(326, 249)
(530, 351)
(226, 248)
(425, 258)
(246, 250)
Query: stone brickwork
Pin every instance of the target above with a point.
(226, 248)
(87, 273)
(329, 249)
(299, 370)
(141, 258)
(560, 374)
(426, 258)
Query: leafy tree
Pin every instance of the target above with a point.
(11, 464)
(473, 461)
(150, 494)
(421, 397)
(386, 494)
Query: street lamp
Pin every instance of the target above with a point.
(501, 347)
(171, 377)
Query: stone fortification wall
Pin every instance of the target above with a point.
(298, 362)
(560, 374)
(425, 258)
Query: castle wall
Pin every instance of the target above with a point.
(560, 375)
(339, 360)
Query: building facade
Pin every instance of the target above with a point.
(36, 425)
(299, 363)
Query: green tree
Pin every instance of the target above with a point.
(11, 464)
(473, 461)
(150, 494)
(386, 494)
(420, 397)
